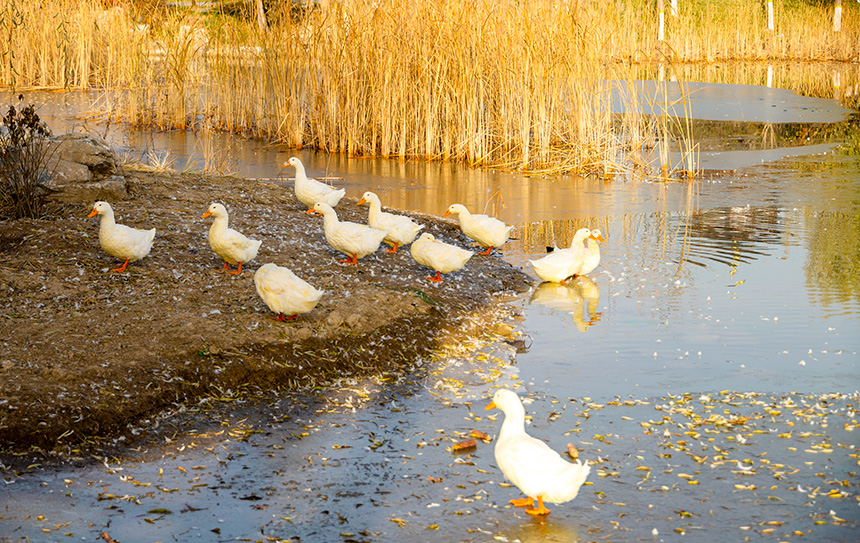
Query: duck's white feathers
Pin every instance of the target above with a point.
(399, 229)
(440, 256)
(591, 258)
(529, 463)
(121, 241)
(562, 263)
(283, 291)
(310, 191)
(227, 243)
(348, 237)
(487, 231)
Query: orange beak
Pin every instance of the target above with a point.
(93, 213)
(598, 238)
(361, 202)
(205, 215)
(311, 210)
(490, 405)
(446, 213)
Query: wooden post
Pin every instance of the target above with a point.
(661, 34)
(837, 16)
(770, 15)
(261, 16)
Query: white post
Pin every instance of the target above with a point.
(770, 15)
(837, 16)
(662, 21)
(769, 75)
(837, 85)
(674, 10)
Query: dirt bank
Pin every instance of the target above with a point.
(86, 351)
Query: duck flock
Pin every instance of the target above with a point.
(538, 471)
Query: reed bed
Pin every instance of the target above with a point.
(520, 85)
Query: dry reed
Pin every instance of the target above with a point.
(509, 84)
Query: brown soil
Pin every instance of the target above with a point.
(85, 352)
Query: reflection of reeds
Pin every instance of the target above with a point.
(510, 84)
(536, 237)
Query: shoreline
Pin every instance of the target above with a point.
(90, 352)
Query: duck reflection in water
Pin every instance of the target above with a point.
(579, 297)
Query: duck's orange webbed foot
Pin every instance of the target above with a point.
(393, 249)
(121, 268)
(282, 318)
(238, 272)
(523, 502)
(436, 278)
(485, 253)
(538, 511)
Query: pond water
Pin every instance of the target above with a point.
(708, 369)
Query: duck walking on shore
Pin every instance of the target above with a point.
(488, 231)
(227, 243)
(310, 191)
(440, 256)
(284, 292)
(123, 242)
(354, 240)
(400, 230)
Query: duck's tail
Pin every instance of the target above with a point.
(569, 482)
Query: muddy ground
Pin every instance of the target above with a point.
(87, 352)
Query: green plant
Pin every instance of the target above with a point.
(23, 150)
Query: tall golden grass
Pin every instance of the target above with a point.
(503, 83)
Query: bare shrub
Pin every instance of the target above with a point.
(23, 150)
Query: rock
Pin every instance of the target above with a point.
(334, 319)
(82, 168)
(88, 150)
(65, 172)
(353, 321)
(302, 334)
(111, 189)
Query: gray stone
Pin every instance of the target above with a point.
(65, 172)
(91, 151)
(82, 168)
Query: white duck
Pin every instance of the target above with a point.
(284, 292)
(529, 463)
(400, 230)
(592, 253)
(311, 191)
(123, 242)
(227, 243)
(441, 256)
(355, 240)
(488, 231)
(562, 263)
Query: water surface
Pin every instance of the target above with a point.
(708, 369)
